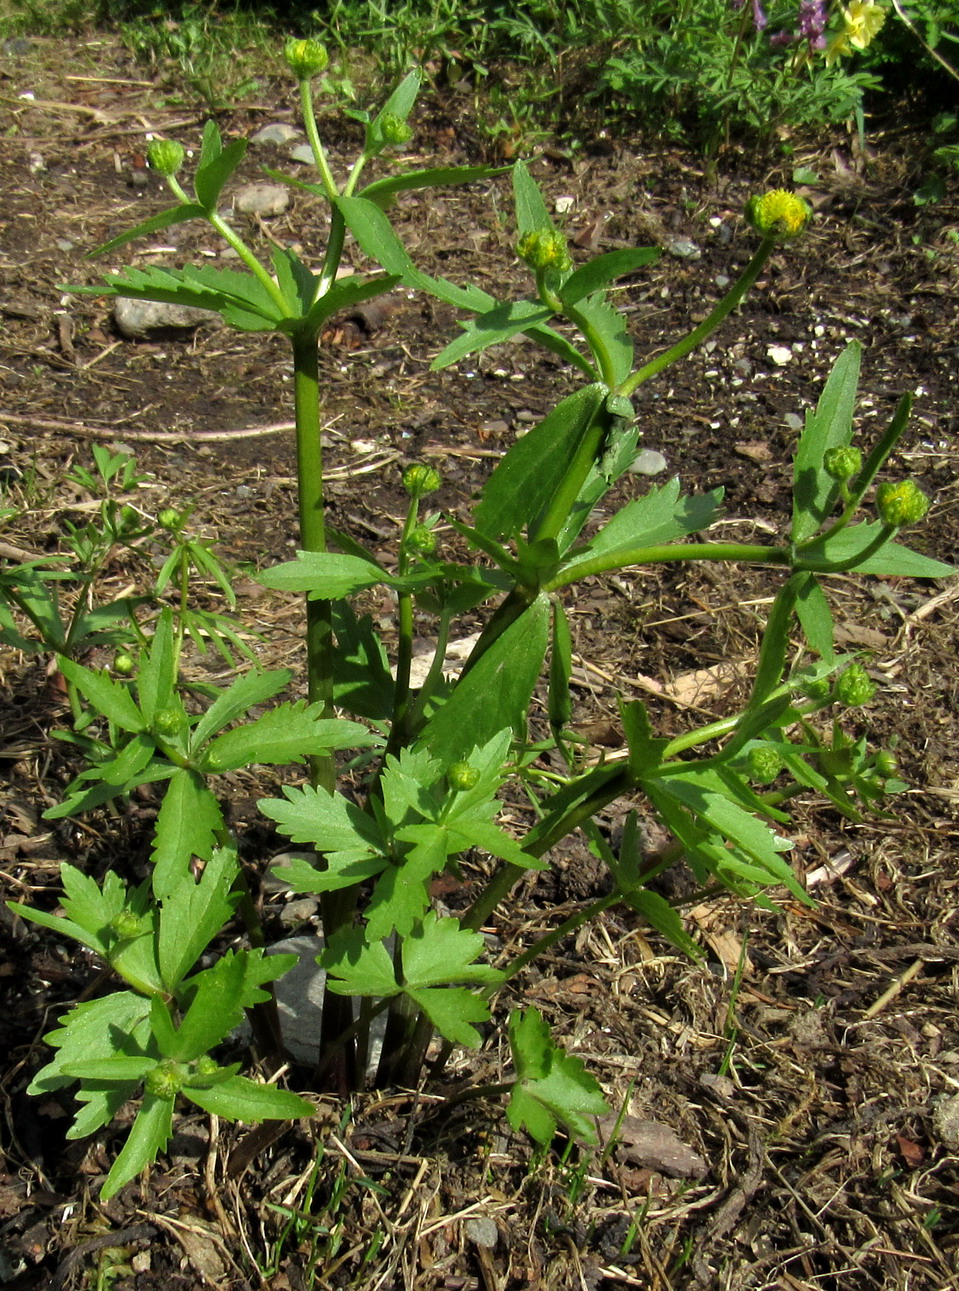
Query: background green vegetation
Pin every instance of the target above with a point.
(694, 70)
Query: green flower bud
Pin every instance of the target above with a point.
(843, 463)
(545, 250)
(855, 687)
(165, 156)
(422, 541)
(127, 925)
(901, 502)
(886, 764)
(207, 1066)
(461, 776)
(764, 764)
(305, 58)
(167, 722)
(166, 1079)
(394, 130)
(819, 691)
(778, 213)
(419, 479)
(124, 663)
(169, 519)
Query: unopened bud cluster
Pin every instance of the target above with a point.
(305, 58)
(394, 130)
(462, 777)
(855, 687)
(765, 764)
(545, 250)
(165, 156)
(420, 479)
(778, 214)
(843, 463)
(901, 502)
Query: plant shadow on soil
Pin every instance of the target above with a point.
(812, 1144)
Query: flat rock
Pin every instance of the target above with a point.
(648, 462)
(139, 320)
(262, 199)
(277, 132)
(302, 152)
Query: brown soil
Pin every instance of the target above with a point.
(812, 1145)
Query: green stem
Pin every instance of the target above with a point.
(666, 554)
(561, 505)
(334, 252)
(234, 240)
(708, 325)
(886, 533)
(313, 135)
(563, 930)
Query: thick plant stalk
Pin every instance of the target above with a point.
(336, 908)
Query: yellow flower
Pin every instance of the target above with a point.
(862, 22)
(864, 19)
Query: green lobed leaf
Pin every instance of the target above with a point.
(204, 287)
(254, 687)
(551, 1086)
(114, 1024)
(534, 470)
(192, 912)
(599, 272)
(213, 172)
(815, 617)
(441, 952)
(400, 898)
(362, 682)
(148, 1137)
(326, 575)
(157, 674)
(289, 733)
(188, 824)
(611, 327)
(492, 327)
(178, 214)
(240, 1099)
(531, 212)
(111, 779)
(215, 998)
(495, 693)
(661, 516)
(110, 698)
(358, 968)
(452, 1010)
(830, 426)
(843, 548)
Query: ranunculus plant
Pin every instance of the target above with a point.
(436, 756)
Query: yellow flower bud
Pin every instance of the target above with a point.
(305, 58)
(778, 213)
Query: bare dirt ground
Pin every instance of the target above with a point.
(801, 1133)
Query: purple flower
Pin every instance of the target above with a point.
(812, 22)
(759, 15)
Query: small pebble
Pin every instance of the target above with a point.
(945, 1122)
(780, 355)
(302, 152)
(277, 132)
(682, 248)
(261, 199)
(141, 319)
(794, 421)
(648, 462)
(482, 1231)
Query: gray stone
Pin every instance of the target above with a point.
(945, 1122)
(142, 319)
(682, 248)
(481, 1231)
(262, 199)
(648, 462)
(277, 132)
(302, 152)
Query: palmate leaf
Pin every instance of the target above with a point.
(114, 1024)
(108, 780)
(552, 1087)
(400, 898)
(217, 999)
